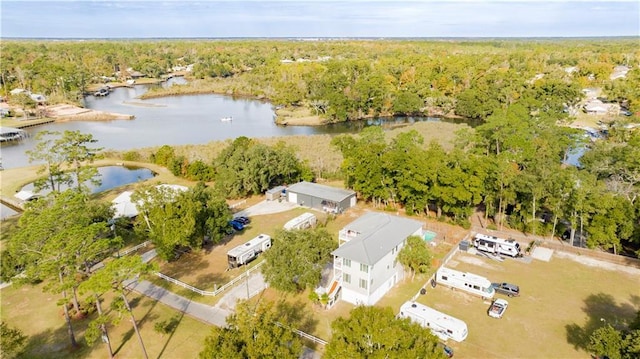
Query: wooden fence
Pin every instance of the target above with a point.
(217, 290)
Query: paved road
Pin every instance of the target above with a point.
(245, 289)
(206, 313)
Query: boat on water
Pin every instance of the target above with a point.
(226, 119)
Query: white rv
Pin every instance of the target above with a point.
(442, 325)
(469, 282)
(303, 221)
(247, 252)
(496, 245)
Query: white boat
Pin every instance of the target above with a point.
(226, 119)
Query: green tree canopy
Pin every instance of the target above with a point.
(415, 255)
(373, 332)
(296, 259)
(12, 341)
(59, 238)
(254, 331)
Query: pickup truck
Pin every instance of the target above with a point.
(497, 308)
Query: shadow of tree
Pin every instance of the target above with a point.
(54, 343)
(134, 302)
(296, 315)
(601, 308)
(187, 263)
(209, 280)
(172, 325)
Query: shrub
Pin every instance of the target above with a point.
(131, 156)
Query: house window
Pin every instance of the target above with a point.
(364, 268)
(346, 262)
(363, 283)
(347, 278)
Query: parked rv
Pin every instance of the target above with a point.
(442, 325)
(303, 221)
(469, 282)
(249, 251)
(495, 245)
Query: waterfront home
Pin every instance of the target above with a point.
(365, 265)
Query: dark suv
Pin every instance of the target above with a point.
(511, 290)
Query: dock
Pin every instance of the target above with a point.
(12, 203)
(8, 134)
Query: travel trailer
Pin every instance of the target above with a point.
(469, 282)
(303, 221)
(442, 325)
(496, 245)
(249, 251)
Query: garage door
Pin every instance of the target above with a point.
(293, 197)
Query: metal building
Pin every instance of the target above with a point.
(325, 198)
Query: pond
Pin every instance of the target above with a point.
(112, 177)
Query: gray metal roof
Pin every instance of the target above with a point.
(379, 233)
(276, 189)
(321, 191)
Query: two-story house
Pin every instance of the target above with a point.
(365, 265)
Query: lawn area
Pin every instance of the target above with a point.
(37, 315)
(561, 303)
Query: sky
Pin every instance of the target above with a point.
(318, 18)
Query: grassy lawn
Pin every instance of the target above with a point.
(561, 303)
(36, 314)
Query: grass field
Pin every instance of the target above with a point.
(35, 312)
(561, 303)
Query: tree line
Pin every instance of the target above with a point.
(343, 80)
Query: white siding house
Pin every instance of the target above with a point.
(365, 265)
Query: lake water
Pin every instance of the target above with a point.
(179, 120)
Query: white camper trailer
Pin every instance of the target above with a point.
(247, 252)
(303, 221)
(442, 325)
(496, 245)
(469, 282)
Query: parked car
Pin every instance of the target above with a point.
(447, 350)
(497, 308)
(236, 225)
(243, 220)
(509, 289)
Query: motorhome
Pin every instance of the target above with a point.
(496, 245)
(442, 325)
(469, 282)
(303, 221)
(249, 251)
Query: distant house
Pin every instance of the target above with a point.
(590, 92)
(321, 197)
(18, 91)
(619, 72)
(364, 265)
(597, 107)
(38, 98)
(26, 195)
(570, 70)
(136, 74)
(123, 207)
